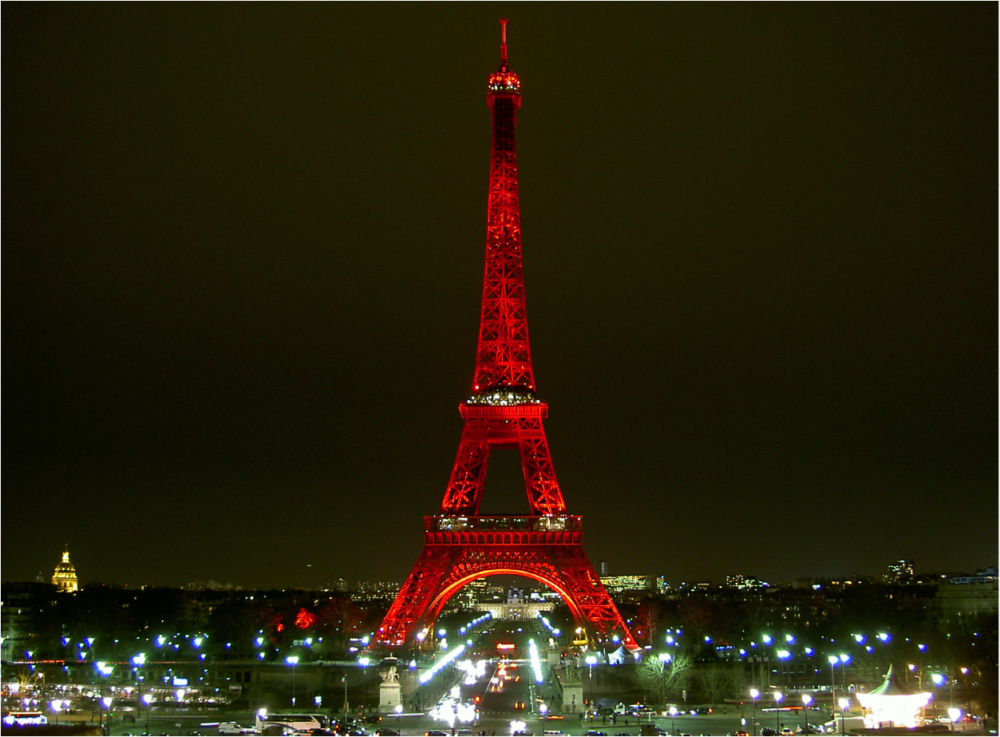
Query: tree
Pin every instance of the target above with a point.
(664, 677)
(649, 618)
(716, 682)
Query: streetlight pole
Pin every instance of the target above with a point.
(293, 660)
(833, 681)
(844, 703)
(754, 693)
(778, 696)
(107, 703)
(673, 713)
(591, 660)
(148, 698)
(806, 700)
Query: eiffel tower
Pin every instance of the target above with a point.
(503, 412)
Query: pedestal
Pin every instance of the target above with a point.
(388, 698)
(572, 700)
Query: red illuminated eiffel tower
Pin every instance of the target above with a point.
(503, 412)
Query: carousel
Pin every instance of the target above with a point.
(892, 704)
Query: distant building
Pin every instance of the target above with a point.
(900, 572)
(517, 606)
(662, 587)
(64, 578)
(744, 583)
(987, 575)
(967, 597)
(375, 591)
(618, 584)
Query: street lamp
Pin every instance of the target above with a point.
(399, 710)
(844, 659)
(754, 693)
(673, 713)
(56, 706)
(782, 655)
(107, 705)
(343, 679)
(293, 660)
(806, 700)
(778, 696)
(148, 698)
(954, 714)
(833, 682)
(591, 660)
(664, 658)
(844, 703)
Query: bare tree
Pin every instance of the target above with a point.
(664, 678)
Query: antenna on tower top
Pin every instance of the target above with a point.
(503, 40)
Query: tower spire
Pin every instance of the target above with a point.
(503, 44)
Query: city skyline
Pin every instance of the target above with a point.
(244, 255)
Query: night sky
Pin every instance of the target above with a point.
(242, 268)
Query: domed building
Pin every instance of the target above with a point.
(65, 576)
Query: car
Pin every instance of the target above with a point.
(435, 733)
(387, 732)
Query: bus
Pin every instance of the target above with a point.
(22, 718)
(289, 723)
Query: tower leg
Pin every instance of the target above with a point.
(544, 494)
(465, 487)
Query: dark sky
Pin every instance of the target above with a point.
(242, 267)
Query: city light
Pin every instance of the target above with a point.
(536, 665)
(447, 659)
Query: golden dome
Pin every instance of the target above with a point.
(65, 576)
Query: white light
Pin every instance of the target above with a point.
(536, 665)
(431, 672)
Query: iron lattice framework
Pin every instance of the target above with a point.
(459, 545)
